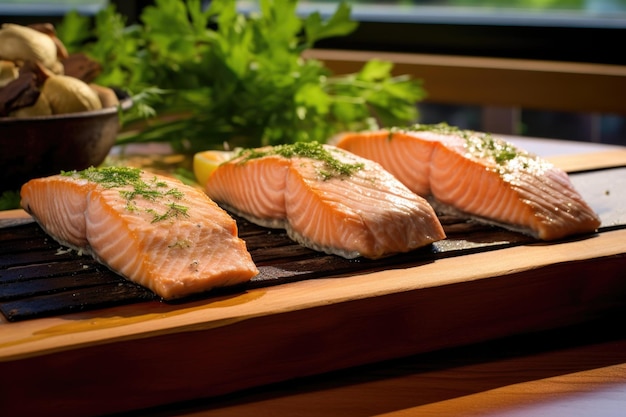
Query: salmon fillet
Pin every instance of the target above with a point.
(153, 230)
(480, 177)
(326, 199)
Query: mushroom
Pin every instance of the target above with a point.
(21, 92)
(107, 96)
(48, 29)
(22, 43)
(40, 108)
(8, 72)
(69, 95)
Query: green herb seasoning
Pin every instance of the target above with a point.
(333, 167)
(440, 128)
(484, 146)
(173, 210)
(108, 177)
(151, 190)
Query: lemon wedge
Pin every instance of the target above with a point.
(204, 163)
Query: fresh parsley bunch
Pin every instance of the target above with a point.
(214, 76)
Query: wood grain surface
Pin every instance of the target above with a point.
(147, 354)
(574, 372)
(486, 81)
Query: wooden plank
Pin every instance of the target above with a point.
(269, 335)
(590, 161)
(40, 279)
(147, 354)
(541, 85)
(545, 374)
(9, 218)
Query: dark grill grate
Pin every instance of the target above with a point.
(38, 278)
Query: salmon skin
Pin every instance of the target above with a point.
(326, 199)
(151, 229)
(480, 177)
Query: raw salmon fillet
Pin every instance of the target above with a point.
(153, 230)
(326, 199)
(477, 176)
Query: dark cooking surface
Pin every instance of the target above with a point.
(38, 278)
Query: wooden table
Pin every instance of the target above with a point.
(395, 342)
(573, 372)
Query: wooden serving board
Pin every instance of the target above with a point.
(297, 321)
(38, 278)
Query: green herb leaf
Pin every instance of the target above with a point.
(9, 200)
(340, 24)
(211, 76)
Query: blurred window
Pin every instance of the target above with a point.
(48, 8)
(571, 13)
(565, 30)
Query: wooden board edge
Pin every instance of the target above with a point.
(76, 331)
(267, 349)
(590, 161)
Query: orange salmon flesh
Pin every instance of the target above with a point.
(479, 177)
(161, 234)
(367, 213)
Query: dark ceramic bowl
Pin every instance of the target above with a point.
(46, 145)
